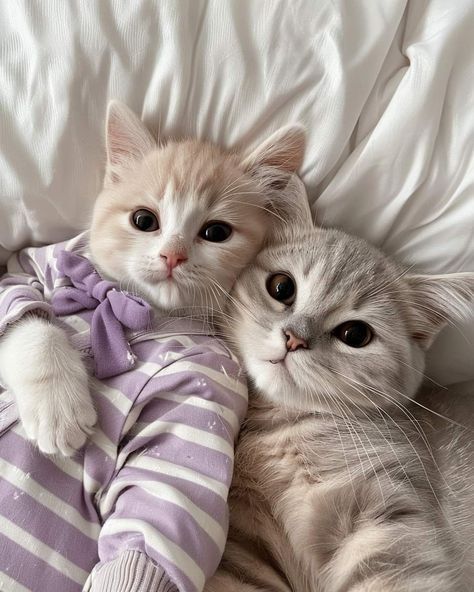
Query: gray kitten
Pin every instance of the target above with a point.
(342, 482)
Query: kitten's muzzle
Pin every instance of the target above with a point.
(293, 343)
(173, 259)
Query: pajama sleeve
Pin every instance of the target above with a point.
(165, 512)
(27, 285)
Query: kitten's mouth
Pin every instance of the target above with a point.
(158, 277)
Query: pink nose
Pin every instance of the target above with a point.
(173, 259)
(293, 342)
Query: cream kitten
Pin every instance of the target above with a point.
(174, 223)
(342, 482)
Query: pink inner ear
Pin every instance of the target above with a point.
(117, 143)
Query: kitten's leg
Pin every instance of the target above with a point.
(353, 539)
(390, 558)
(50, 384)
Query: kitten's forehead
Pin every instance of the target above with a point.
(331, 267)
(193, 168)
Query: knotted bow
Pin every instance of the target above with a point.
(113, 310)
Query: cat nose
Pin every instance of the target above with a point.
(173, 258)
(293, 342)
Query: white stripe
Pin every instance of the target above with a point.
(26, 483)
(211, 406)
(104, 443)
(147, 463)
(162, 545)
(219, 377)
(77, 323)
(149, 368)
(170, 494)
(42, 551)
(114, 396)
(132, 418)
(32, 254)
(9, 585)
(185, 432)
(39, 296)
(184, 340)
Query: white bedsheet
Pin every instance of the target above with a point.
(385, 88)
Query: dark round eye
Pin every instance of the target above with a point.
(281, 287)
(145, 220)
(215, 232)
(354, 333)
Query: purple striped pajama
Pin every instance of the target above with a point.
(143, 506)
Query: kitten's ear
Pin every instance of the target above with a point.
(291, 210)
(273, 165)
(126, 138)
(283, 150)
(438, 300)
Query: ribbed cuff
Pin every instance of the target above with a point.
(132, 571)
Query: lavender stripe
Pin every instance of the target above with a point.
(206, 461)
(31, 571)
(175, 523)
(111, 420)
(196, 417)
(16, 296)
(204, 498)
(111, 546)
(97, 464)
(129, 384)
(22, 454)
(47, 526)
(183, 382)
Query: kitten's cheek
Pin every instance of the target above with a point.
(262, 373)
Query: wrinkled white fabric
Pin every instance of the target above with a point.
(384, 87)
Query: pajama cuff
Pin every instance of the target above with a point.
(132, 571)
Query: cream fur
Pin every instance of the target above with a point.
(186, 183)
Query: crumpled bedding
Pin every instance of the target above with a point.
(385, 89)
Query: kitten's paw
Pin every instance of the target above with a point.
(56, 421)
(50, 383)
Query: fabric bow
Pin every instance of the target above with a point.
(113, 310)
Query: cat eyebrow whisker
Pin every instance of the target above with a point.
(389, 282)
(264, 208)
(230, 186)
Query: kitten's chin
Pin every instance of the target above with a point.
(276, 384)
(165, 295)
(280, 384)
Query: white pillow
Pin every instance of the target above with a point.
(384, 89)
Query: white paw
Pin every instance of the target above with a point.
(50, 384)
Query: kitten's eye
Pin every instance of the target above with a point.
(354, 333)
(215, 232)
(145, 220)
(281, 287)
